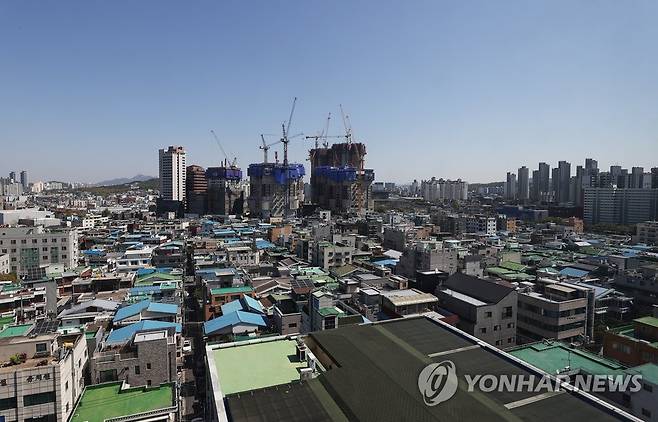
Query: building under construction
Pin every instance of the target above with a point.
(276, 190)
(339, 181)
(225, 191)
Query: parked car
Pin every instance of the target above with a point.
(187, 346)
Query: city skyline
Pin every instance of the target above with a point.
(421, 82)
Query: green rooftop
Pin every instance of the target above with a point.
(329, 311)
(6, 320)
(231, 290)
(105, 401)
(513, 266)
(555, 356)
(251, 366)
(15, 330)
(647, 320)
(649, 372)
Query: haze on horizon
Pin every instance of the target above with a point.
(471, 90)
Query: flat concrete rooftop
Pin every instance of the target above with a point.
(250, 366)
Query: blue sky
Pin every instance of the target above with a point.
(89, 90)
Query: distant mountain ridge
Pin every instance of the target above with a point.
(124, 180)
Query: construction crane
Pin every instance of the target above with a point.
(219, 144)
(323, 135)
(265, 147)
(347, 124)
(286, 130)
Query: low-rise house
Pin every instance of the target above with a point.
(88, 311)
(558, 311)
(141, 354)
(399, 303)
(486, 308)
(146, 310)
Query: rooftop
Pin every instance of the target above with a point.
(15, 330)
(104, 401)
(245, 367)
(555, 356)
(647, 320)
(231, 290)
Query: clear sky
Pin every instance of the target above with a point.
(89, 90)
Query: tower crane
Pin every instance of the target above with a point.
(219, 144)
(323, 135)
(265, 147)
(347, 124)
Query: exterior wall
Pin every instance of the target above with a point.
(628, 350)
(494, 323)
(539, 318)
(30, 247)
(62, 379)
(287, 323)
(159, 354)
(5, 267)
(647, 232)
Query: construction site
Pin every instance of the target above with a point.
(225, 191)
(339, 180)
(276, 189)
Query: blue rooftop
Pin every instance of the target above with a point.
(136, 308)
(126, 333)
(234, 318)
(264, 244)
(246, 304)
(573, 272)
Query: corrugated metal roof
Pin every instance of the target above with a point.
(124, 334)
(234, 318)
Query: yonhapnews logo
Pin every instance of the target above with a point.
(437, 382)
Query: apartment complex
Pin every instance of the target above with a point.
(620, 205)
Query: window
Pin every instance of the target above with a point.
(39, 398)
(9, 403)
(45, 249)
(41, 347)
(487, 314)
(292, 325)
(137, 372)
(496, 327)
(646, 412)
(148, 365)
(483, 330)
(148, 383)
(66, 386)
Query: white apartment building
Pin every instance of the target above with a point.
(444, 190)
(31, 247)
(328, 255)
(172, 174)
(43, 377)
(134, 259)
(91, 221)
(480, 224)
